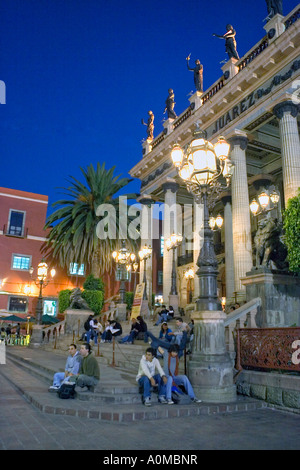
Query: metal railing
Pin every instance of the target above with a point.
(268, 349)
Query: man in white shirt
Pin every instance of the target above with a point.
(151, 374)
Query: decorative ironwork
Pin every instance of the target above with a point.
(253, 54)
(292, 19)
(268, 348)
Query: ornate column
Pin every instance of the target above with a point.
(287, 113)
(169, 226)
(147, 238)
(229, 265)
(241, 225)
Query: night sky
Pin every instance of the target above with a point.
(81, 74)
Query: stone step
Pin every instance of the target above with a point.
(35, 391)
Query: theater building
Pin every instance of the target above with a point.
(255, 106)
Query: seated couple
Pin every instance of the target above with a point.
(138, 331)
(165, 315)
(152, 375)
(112, 329)
(167, 337)
(81, 368)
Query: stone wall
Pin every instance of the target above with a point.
(276, 388)
(280, 297)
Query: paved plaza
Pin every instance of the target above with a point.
(22, 426)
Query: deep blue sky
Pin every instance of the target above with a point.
(81, 74)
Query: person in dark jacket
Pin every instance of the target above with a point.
(89, 372)
(135, 330)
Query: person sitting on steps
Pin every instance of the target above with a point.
(151, 374)
(71, 368)
(171, 368)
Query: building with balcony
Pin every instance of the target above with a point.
(254, 105)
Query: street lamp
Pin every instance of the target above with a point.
(267, 200)
(216, 223)
(172, 243)
(42, 280)
(123, 259)
(145, 254)
(189, 275)
(206, 170)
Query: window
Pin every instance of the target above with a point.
(16, 223)
(17, 304)
(162, 244)
(76, 269)
(160, 278)
(21, 262)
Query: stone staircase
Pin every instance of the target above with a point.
(116, 397)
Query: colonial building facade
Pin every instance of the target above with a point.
(22, 235)
(255, 106)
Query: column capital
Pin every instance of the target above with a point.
(285, 107)
(145, 200)
(225, 198)
(172, 185)
(240, 140)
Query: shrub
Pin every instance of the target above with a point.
(94, 299)
(129, 296)
(291, 225)
(93, 283)
(64, 300)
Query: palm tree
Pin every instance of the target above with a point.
(73, 237)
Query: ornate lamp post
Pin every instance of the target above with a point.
(206, 170)
(172, 243)
(42, 280)
(189, 275)
(123, 259)
(267, 200)
(145, 254)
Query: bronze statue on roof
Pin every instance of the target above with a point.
(274, 7)
(230, 42)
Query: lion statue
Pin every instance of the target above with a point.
(270, 249)
(77, 302)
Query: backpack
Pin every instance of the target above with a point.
(179, 397)
(86, 325)
(67, 390)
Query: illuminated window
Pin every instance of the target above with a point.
(162, 244)
(76, 269)
(21, 262)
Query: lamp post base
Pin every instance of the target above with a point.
(210, 367)
(174, 302)
(121, 313)
(36, 338)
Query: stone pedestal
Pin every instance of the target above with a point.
(121, 313)
(36, 338)
(75, 320)
(168, 126)
(275, 27)
(230, 69)
(196, 100)
(174, 302)
(280, 297)
(211, 368)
